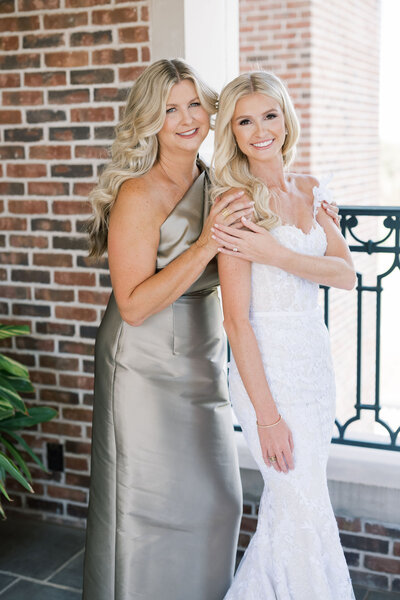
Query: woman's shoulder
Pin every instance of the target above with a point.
(305, 183)
(138, 195)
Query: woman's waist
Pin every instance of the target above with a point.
(313, 310)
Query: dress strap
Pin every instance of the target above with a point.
(321, 192)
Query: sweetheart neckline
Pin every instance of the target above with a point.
(314, 227)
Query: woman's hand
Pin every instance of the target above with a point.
(252, 242)
(332, 210)
(277, 442)
(241, 206)
(227, 210)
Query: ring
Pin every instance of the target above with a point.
(272, 459)
(225, 213)
(235, 249)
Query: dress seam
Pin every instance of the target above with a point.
(119, 334)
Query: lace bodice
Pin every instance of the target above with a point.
(273, 289)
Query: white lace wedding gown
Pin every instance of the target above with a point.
(295, 553)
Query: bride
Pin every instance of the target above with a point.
(281, 377)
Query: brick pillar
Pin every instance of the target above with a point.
(65, 68)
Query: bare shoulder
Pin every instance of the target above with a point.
(137, 197)
(305, 185)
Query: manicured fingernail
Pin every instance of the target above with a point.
(251, 203)
(216, 225)
(213, 237)
(220, 249)
(240, 193)
(244, 219)
(212, 229)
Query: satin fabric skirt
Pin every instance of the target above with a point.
(165, 496)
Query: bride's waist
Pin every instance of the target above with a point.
(262, 314)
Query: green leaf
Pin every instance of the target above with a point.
(37, 414)
(6, 413)
(13, 367)
(7, 392)
(27, 449)
(5, 404)
(4, 492)
(17, 457)
(20, 384)
(11, 468)
(10, 330)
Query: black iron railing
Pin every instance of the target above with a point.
(389, 243)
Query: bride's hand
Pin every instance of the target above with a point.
(252, 242)
(277, 442)
(332, 210)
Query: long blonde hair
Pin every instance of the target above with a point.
(135, 148)
(230, 165)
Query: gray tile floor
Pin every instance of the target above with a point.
(40, 561)
(43, 561)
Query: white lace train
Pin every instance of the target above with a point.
(295, 553)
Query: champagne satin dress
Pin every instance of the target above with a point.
(165, 496)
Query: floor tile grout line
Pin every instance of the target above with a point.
(65, 564)
(10, 585)
(41, 582)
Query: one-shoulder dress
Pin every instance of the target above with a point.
(165, 496)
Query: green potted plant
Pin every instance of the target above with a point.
(15, 416)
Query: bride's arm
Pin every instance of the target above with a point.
(235, 287)
(335, 269)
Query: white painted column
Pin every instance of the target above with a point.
(205, 33)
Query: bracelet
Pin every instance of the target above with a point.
(272, 424)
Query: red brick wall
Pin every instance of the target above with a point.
(65, 68)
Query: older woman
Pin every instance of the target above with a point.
(165, 497)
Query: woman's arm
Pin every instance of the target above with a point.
(256, 244)
(133, 239)
(335, 269)
(235, 288)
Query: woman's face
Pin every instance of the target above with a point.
(258, 125)
(186, 122)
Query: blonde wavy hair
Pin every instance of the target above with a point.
(230, 165)
(135, 148)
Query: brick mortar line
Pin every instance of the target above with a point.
(78, 10)
(90, 49)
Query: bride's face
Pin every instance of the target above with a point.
(186, 121)
(258, 125)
